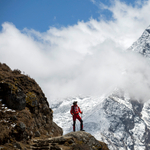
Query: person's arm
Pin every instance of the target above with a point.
(80, 110)
(71, 111)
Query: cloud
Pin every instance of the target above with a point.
(93, 1)
(87, 58)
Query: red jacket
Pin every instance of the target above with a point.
(75, 109)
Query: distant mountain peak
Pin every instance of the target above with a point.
(142, 45)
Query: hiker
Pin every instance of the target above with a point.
(75, 110)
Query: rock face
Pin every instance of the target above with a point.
(16, 100)
(73, 141)
(24, 110)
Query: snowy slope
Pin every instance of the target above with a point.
(121, 123)
(117, 119)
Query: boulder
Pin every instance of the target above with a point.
(72, 141)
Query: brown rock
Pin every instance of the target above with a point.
(72, 141)
(28, 108)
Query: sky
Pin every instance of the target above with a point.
(75, 47)
(40, 15)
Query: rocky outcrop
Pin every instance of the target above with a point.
(24, 110)
(26, 121)
(73, 141)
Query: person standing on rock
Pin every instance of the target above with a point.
(75, 110)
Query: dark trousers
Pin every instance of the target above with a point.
(76, 116)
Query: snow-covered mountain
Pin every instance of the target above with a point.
(117, 119)
(142, 45)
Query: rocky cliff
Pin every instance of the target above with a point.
(26, 121)
(24, 110)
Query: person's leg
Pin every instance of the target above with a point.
(74, 123)
(81, 122)
(74, 128)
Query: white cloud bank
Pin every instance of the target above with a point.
(86, 58)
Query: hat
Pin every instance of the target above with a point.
(74, 102)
